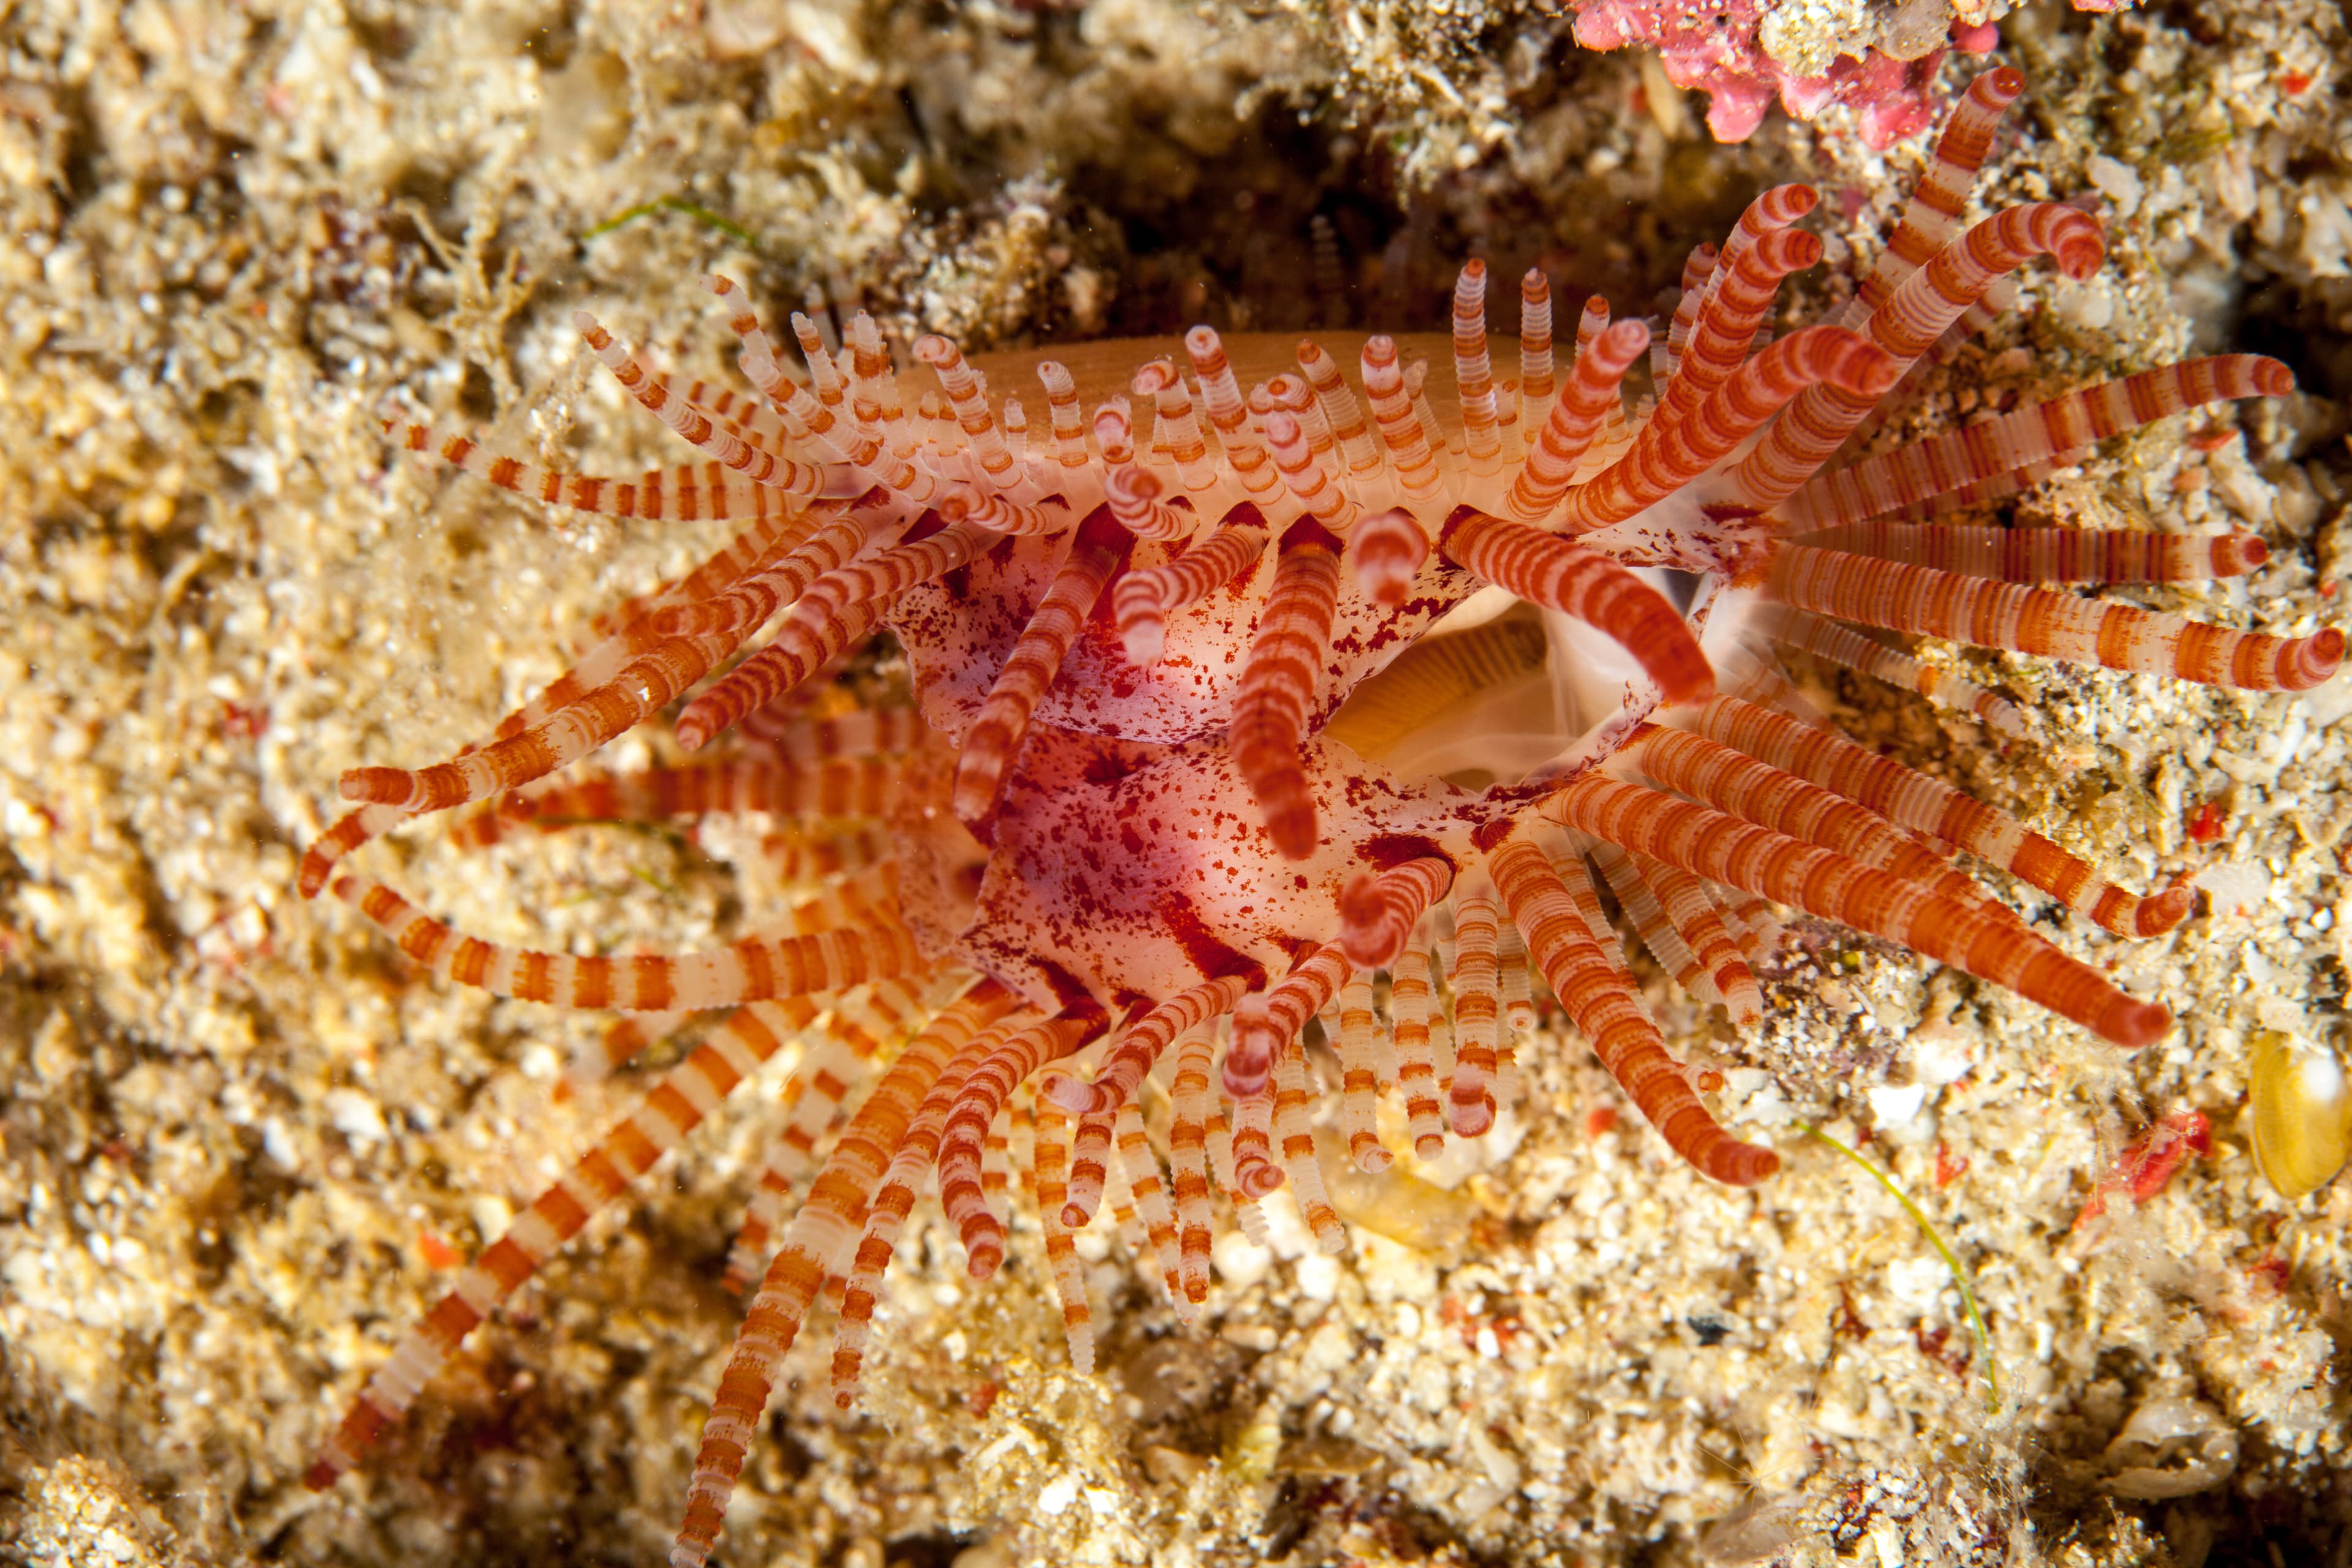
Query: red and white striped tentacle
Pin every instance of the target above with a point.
(1265, 1043)
(1912, 318)
(1133, 495)
(1661, 934)
(836, 610)
(961, 384)
(689, 492)
(1244, 453)
(641, 687)
(1929, 806)
(1762, 252)
(1408, 439)
(814, 1106)
(1361, 1080)
(986, 1093)
(1003, 514)
(864, 732)
(1933, 216)
(1722, 848)
(1378, 911)
(1518, 1010)
(803, 854)
(1987, 613)
(1173, 411)
(1537, 375)
(1388, 550)
(769, 538)
(1667, 455)
(1477, 1005)
(1149, 1193)
(864, 786)
(746, 603)
(1141, 600)
(1295, 1132)
(1688, 908)
(2079, 555)
(1351, 427)
(1266, 1024)
(1563, 575)
(674, 1105)
(1408, 1009)
(1090, 1157)
(826, 379)
(894, 1198)
(1188, 1164)
(1049, 1167)
(874, 399)
(694, 425)
(1132, 492)
(1544, 905)
(818, 1244)
(1305, 474)
(1603, 354)
(1749, 919)
(1716, 775)
(1278, 682)
(1474, 369)
(1140, 1047)
(1292, 395)
(1665, 361)
(754, 969)
(1840, 643)
(1066, 419)
(1992, 448)
(1097, 552)
(738, 412)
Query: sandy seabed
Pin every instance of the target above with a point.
(241, 1139)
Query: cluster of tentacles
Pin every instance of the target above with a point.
(1309, 681)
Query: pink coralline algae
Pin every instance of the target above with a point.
(1718, 48)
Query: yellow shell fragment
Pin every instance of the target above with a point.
(2303, 1114)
